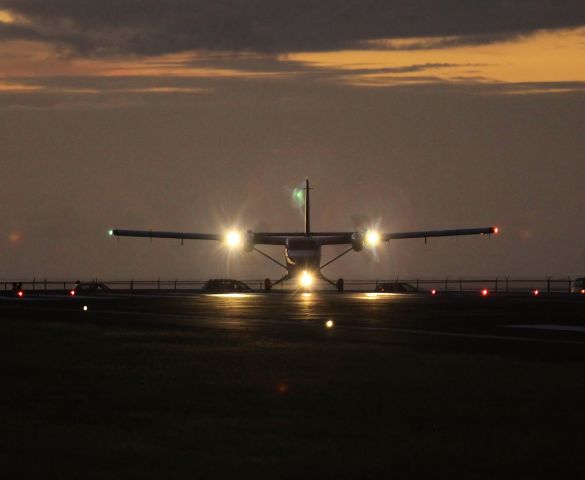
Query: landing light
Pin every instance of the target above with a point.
(233, 239)
(110, 233)
(496, 230)
(372, 238)
(306, 279)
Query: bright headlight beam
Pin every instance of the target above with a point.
(306, 279)
(372, 238)
(233, 239)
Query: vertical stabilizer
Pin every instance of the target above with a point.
(307, 209)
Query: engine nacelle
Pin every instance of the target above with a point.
(249, 241)
(357, 241)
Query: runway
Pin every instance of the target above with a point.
(550, 322)
(262, 385)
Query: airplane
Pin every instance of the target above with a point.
(303, 249)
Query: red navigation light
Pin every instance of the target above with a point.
(20, 293)
(496, 230)
(72, 293)
(582, 291)
(536, 293)
(484, 292)
(433, 292)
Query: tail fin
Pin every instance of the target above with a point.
(307, 209)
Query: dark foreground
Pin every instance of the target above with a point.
(216, 386)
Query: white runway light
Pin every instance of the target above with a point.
(329, 323)
(85, 308)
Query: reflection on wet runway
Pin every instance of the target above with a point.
(359, 316)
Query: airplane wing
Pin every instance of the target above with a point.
(345, 238)
(277, 238)
(323, 238)
(157, 234)
(439, 233)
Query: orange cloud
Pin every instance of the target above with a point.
(554, 56)
(6, 17)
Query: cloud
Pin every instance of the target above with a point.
(154, 27)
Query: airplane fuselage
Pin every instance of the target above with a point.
(302, 254)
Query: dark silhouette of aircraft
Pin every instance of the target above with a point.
(303, 249)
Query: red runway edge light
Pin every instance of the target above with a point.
(72, 293)
(433, 292)
(485, 292)
(20, 294)
(536, 293)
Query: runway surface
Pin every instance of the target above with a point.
(498, 322)
(324, 385)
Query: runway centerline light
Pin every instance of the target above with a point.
(372, 238)
(306, 279)
(485, 292)
(233, 239)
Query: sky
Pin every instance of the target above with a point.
(199, 115)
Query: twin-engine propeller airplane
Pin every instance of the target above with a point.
(303, 249)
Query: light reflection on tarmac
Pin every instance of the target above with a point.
(364, 317)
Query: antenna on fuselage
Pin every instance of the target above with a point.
(307, 209)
